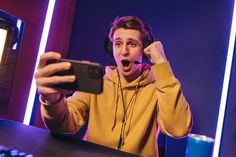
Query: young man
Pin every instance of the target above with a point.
(137, 102)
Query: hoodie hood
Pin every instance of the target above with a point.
(147, 78)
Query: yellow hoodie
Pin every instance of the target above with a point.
(152, 102)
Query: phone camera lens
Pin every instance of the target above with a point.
(94, 72)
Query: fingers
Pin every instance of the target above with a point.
(47, 56)
(50, 69)
(155, 52)
(44, 79)
(51, 81)
(157, 45)
(46, 85)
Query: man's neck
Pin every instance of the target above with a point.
(132, 77)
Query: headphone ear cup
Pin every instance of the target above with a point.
(108, 46)
(146, 43)
(150, 38)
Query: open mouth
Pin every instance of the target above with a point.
(125, 62)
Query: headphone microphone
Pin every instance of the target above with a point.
(137, 62)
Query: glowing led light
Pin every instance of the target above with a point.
(18, 24)
(41, 50)
(225, 86)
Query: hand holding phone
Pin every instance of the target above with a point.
(89, 76)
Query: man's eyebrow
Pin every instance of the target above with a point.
(129, 39)
(116, 39)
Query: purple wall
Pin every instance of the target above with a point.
(32, 13)
(195, 36)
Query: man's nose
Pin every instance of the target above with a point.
(124, 50)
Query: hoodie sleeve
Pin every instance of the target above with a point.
(174, 115)
(68, 115)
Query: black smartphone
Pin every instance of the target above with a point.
(89, 76)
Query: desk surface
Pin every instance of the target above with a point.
(41, 143)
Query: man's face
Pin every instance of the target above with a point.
(127, 48)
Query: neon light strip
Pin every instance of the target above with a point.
(225, 86)
(18, 24)
(41, 50)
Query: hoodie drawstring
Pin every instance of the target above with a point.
(128, 111)
(116, 106)
(133, 104)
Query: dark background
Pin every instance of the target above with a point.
(195, 36)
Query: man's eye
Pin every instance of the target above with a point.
(118, 43)
(132, 43)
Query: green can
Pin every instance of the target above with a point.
(199, 146)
